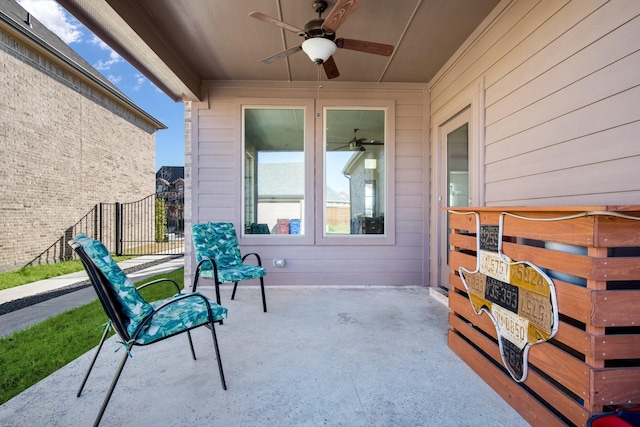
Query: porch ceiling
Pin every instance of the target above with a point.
(178, 45)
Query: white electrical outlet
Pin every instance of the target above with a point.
(278, 262)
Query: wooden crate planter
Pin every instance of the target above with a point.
(592, 364)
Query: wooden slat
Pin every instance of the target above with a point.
(573, 301)
(616, 232)
(578, 231)
(615, 308)
(463, 241)
(456, 282)
(562, 367)
(619, 386)
(573, 337)
(458, 259)
(576, 265)
(616, 268)
(462, 222)
(609, 347)
(461, 306)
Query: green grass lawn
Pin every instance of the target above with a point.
(30, 355)
(33, 273)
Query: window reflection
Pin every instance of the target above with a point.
(354, 171)
(274, 181)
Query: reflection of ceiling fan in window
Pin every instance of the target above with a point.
(357, 144)
(319, 34)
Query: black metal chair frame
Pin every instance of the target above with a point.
(117, 319)
(214, 266)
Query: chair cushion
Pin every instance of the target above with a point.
(134, 306)
(233, 274)
(218, 241)
(186, 313)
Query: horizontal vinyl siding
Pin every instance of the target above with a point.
(562, 90)
(218, 181)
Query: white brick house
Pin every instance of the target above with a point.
(68, 139)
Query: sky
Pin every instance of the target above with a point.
(169, 142)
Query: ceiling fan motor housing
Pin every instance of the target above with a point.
(314, 29)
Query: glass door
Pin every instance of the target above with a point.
(454, 181)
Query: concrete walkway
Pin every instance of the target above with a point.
(26, 305)
(319, 357)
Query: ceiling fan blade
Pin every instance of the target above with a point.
(330, 68)
(368, 47)
(340, 12)
(281, 55)
(277, 22)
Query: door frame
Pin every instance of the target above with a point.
(469, 104)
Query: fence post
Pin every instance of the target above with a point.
(97, 221)
(119, 224)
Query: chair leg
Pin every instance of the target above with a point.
(193, 352)
(215, 346)
(111, 388)
(95, 356)
(264, 300)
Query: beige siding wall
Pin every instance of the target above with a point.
(64, 147)
(214, 162)
(561, 96)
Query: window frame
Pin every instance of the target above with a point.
(388, 238)
(307, 105)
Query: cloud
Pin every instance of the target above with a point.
(114, 57)
(140, 79)
(114, 79)
(52, 16)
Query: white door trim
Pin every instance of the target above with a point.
(471, 99)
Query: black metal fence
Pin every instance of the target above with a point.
(150, 226)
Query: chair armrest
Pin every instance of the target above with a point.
(257, 258)
(142, 325)
(153, 282)
(214, 266)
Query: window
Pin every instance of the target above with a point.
(355, 177)
(274, 171)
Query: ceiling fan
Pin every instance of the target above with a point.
(320, 36)
(357, 144)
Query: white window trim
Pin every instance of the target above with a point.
(388, 238)
(270, 239)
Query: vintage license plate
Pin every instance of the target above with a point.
(537, 309)
(529, 278)
(492, 265)
(501, 293)
(511, 326)
(489, 238)
(476, 284)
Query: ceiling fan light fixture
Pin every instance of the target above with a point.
(318, 49)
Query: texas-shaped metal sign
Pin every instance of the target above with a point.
(518, 296)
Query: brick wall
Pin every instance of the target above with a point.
(64, 147)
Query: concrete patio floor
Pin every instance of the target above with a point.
(334, 357)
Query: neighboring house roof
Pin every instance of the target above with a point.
(170, 173)
(281, 179)
(286, 180)
(21, 24)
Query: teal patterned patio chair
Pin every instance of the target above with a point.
(219, 258)
(136, 321)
